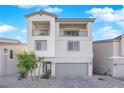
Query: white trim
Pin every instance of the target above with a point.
(116, 57)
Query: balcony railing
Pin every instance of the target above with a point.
(73, 33)
(41, 33)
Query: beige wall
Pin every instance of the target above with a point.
(102, 53)
(116, 48)
(108, 55)
(10, 65)
(122, 46)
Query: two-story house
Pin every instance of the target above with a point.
(109, 57)
(66, 43)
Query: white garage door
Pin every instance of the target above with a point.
(119, 70)
(71, 69)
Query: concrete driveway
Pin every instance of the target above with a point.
(97, 81)
(87, 82)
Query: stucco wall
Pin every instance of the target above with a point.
(11, 64)
(86, 50)
(122, 46)
(116, 48)
(118, 67)
(102, 53)
(50, 39)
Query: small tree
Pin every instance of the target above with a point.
(26, 63)
(40, 61)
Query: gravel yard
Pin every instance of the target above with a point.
(97, 81)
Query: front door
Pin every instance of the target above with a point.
(47, 67)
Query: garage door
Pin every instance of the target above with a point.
(119, 70)
(71, 69)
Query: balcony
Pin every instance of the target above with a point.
(41, 33)
(40, 28)
(73, 30)
(73, 33)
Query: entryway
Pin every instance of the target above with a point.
(47, 67)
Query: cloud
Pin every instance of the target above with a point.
(107, 14)
(53, 10)
(32, 6)
(43, 7)
(23, 31)
(108, 32)
(27, 6)
(120, 23)
(6, 28)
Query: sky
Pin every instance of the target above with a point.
(109, 21)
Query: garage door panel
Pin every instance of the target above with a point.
(71, 69)
(119, 69)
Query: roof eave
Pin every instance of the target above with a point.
(75, 20)
(40, 12)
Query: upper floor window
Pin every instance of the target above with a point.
(40, 28)
(5, 50)
(71, 33)
(73, 45)
(41, 45)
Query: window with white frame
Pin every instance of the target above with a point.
(73, 45)
(71, 33)
(41, 45)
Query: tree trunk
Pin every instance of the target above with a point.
(31, 75)
(39, 71)
(35, 74)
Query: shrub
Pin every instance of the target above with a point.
(22, 75)
(26, 63)
(46, 75)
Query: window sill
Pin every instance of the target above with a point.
(73, 51)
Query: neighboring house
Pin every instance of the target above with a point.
(8, 51)
(109, 57)
(66, 43)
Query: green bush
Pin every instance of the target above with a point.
(26, 63)
(22, 75)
